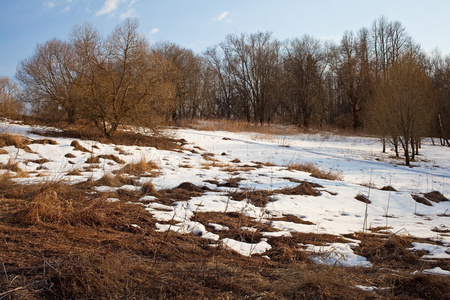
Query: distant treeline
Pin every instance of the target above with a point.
(377, 79)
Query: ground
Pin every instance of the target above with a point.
(220, 214)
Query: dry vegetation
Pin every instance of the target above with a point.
(315, 171)
(61, 241)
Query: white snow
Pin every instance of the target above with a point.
(337, 253)
(434, 251)
(437, 271)
(247, 249)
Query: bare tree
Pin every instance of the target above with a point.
(304, 64)
(187, 79)
(254, 66)
(49, 80)
(404, 105)
(117, 75)
(10, 106)
(351, 65)
(440, 74)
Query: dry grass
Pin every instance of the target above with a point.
(117, 180)
(13, 166)
(126, 138)
(149, 189)
(293, 219)
(61, 242)
(112, 157)
(15, 140)
(142, 167)
(242, 126)
(77, 146)
(45, 142)
(74, 172)
(315, 171)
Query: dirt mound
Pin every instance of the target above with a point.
(257, 198)
(421, 200)
(435, 196)
(305, 188)
(388, 188)
(362, 198)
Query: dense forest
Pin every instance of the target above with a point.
(376, 79)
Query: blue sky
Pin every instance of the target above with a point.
(197, 24)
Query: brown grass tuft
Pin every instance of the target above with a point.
(117, 180)
(305, 188)
(69, 155)
(149, 189)
(15, 140)
(45, 142)
(74, 173)
(77, 146)
(141, 167)
(13, 166)
(258, 197)
(315, 171)
(48, 206)
(93, 160)
(113, 158)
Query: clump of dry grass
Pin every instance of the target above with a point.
(96, 159)
(13, 166)
(117, 180)
(74, 172)
(48, 206)
(315, 171)
(293, 219)
(139, 168)
(113, 158)
(45, 142)
(257, 197)
(149, 189)
(77, 146)
(15, 140)
(93, 160)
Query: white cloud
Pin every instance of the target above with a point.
(128, 14)
(109, 7)
(223, 17)
(49, 4)
(154, 31)
(132, 2)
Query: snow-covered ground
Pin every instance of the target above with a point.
(233, 155)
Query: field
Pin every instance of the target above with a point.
(217, 214)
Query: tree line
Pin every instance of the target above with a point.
(375, 79)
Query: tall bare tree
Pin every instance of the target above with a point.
(10, 105)
(405, 104)
(187, 79)
(304, 64)
(254, 66)
(49, 80)
(351, 65)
